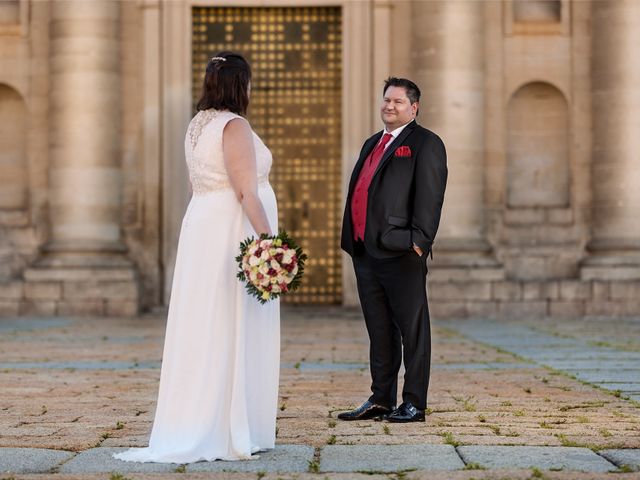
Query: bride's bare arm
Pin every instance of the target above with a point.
(240, 161)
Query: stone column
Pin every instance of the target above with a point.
(448, 65)
(83, 264)
(84, 176)
(614, 249)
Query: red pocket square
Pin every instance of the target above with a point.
(403, 151)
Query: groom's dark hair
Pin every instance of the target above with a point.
(226, 83)
(413, 92)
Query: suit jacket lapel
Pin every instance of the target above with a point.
(388, 153)
(366, 151)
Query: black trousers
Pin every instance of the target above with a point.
(394, 303)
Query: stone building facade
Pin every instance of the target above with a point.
(538, 102)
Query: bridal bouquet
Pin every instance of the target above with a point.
(270, 265)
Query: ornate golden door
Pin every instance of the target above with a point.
(296, 108)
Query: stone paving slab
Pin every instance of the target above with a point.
(607, 376)
(284, 458)
(31, 460)
(622, 457)
(27, 323)
(554, 352)
(96, 460)
(544, 458)
(596, 364)
(388, 458)
(79, 365)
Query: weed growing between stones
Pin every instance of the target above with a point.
(450, 440)
(536, 473)
(625, 469)
(118, 476)
(474, 466)
(314, 465)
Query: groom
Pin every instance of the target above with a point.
(390, 222)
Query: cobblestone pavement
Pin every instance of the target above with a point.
(520, 399)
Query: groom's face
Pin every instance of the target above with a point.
(397, 109)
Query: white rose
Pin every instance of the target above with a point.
(287, 258)
(264, 255)
(254, 261)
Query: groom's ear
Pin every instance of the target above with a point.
(415, 106)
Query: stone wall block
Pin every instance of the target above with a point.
(575, 290)
(523, 216)
(9, 307)
(93, 290)
(38, 307)
(560, 216)
(600, 290)
(121, 308)
(11, 290)
(613, 308)
(551, 290)
(444, 274)
(625, 290)
(460, 291)
(566, 308)
(444, 309)
(532, 291)
(43, 291)
(507, 290)
(81, 307)
(482, 309)
(516, 309)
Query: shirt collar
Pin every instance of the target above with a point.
(396, 132)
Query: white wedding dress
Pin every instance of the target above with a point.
(220, 369)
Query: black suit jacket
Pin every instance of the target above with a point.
(405, 196)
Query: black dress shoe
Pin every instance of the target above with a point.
(405, 413)
(366, 411)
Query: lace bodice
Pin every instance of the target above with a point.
(203, 152)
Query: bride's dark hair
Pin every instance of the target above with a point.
(226, 83)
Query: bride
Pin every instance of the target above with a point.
(219, 380)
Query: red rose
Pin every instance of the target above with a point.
(403, 151)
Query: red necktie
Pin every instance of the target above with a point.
(376, 155)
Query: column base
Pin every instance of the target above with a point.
(464, 259)
(611, 260)
(81, 283)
